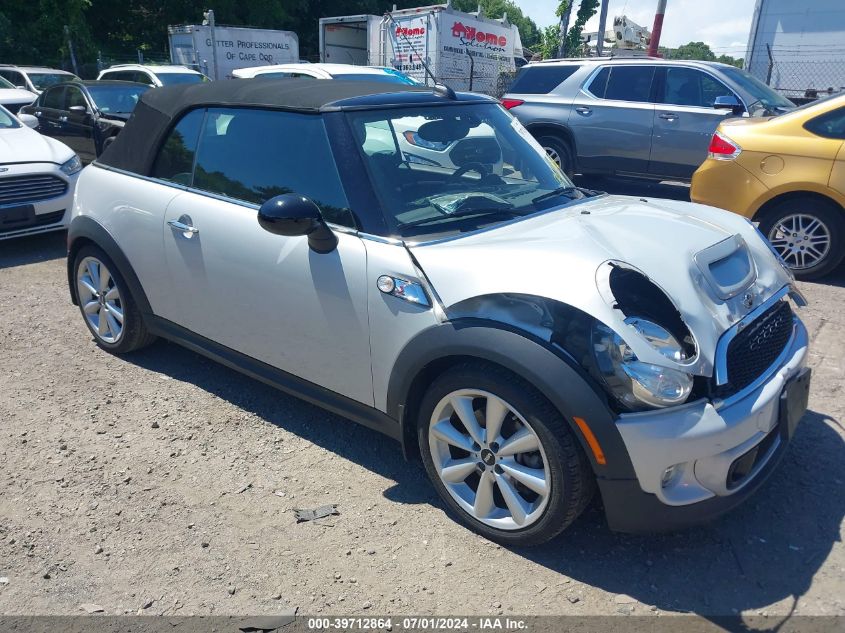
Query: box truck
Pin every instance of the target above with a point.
(237, 47)
(465, 51)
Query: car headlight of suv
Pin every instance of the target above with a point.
(72, 166)
(634, 383)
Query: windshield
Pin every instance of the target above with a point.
(386, 77)
(7, 121)
(764, 100)
(42, 81)
(116, 99)
(169, 79)
(449, 169)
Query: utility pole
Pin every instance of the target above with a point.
(657, 28)
(70, 50)
(564, 27)
(209, 20)
(602, 27)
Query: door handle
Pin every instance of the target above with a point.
(669, 116)
(584, 110)
(177, 225)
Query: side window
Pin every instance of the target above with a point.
(536, 80)
(251, 155)
(272, 75)
(144, 78)
(829, 125)
(13, 76)
(690, 87)
(598, 85)
(175, 160)
(54, 98)
(74, 97)
(629, 83)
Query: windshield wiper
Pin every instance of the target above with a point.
(566, 191)
(461, 214)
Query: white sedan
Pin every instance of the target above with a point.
(37, 178)
(13, 98)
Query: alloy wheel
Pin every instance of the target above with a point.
(489, 459)
(554, 155)
(802, 240)
(100, 299)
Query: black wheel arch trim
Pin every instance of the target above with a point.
(84, 229)
(544, 365)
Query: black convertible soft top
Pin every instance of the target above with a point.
(135, 147)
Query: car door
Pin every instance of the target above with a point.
(48, 109)
(611, 119)
(684, 120)
(269, 297)
(77, 122)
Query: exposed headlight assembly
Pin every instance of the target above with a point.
(634, 383)
(72, 166)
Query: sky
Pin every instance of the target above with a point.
(723, 24)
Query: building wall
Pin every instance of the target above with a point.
(807, 40)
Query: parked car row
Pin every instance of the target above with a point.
(638, 117)
(531, 340)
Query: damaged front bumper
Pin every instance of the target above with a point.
(696, 461)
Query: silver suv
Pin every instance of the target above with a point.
(634, 116)
(531, 340)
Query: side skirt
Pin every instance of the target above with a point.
(282, 380)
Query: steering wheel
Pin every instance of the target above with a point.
(481, 168)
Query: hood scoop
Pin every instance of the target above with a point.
(727, 267)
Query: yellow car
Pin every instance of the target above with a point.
(788, 173)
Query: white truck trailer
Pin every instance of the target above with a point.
(465, 51)
(236, 47)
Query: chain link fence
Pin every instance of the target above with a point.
(801, 74)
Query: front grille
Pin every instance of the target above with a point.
(754, 349)
(28, 189)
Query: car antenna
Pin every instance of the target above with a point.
(440, 89)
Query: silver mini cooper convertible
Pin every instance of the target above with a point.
(529, 339)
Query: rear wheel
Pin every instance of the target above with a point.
(501, 456)
(808, 233)
(107, 306)
(560, 151)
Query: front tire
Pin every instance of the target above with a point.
(501, 456)
(808, 233)
(107, 306)
(560, 151)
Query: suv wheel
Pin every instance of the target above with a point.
(106, 304)
(560, 152)
(808, 234)
(501, 456)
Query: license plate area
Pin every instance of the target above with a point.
(19, 217)
(793, 402)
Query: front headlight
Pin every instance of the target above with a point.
(72, 166)
(633, 382)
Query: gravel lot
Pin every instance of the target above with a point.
(164, 483)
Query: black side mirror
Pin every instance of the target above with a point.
(292, 214)
(728, 102)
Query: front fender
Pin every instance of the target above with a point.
(544, 365)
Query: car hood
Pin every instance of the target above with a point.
(23, 145)
(565, 255)
(16, 95)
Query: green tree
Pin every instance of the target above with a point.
(586, 10)
(699, 51)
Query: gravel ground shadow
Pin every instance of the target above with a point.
(764, 552)
(32, 250)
